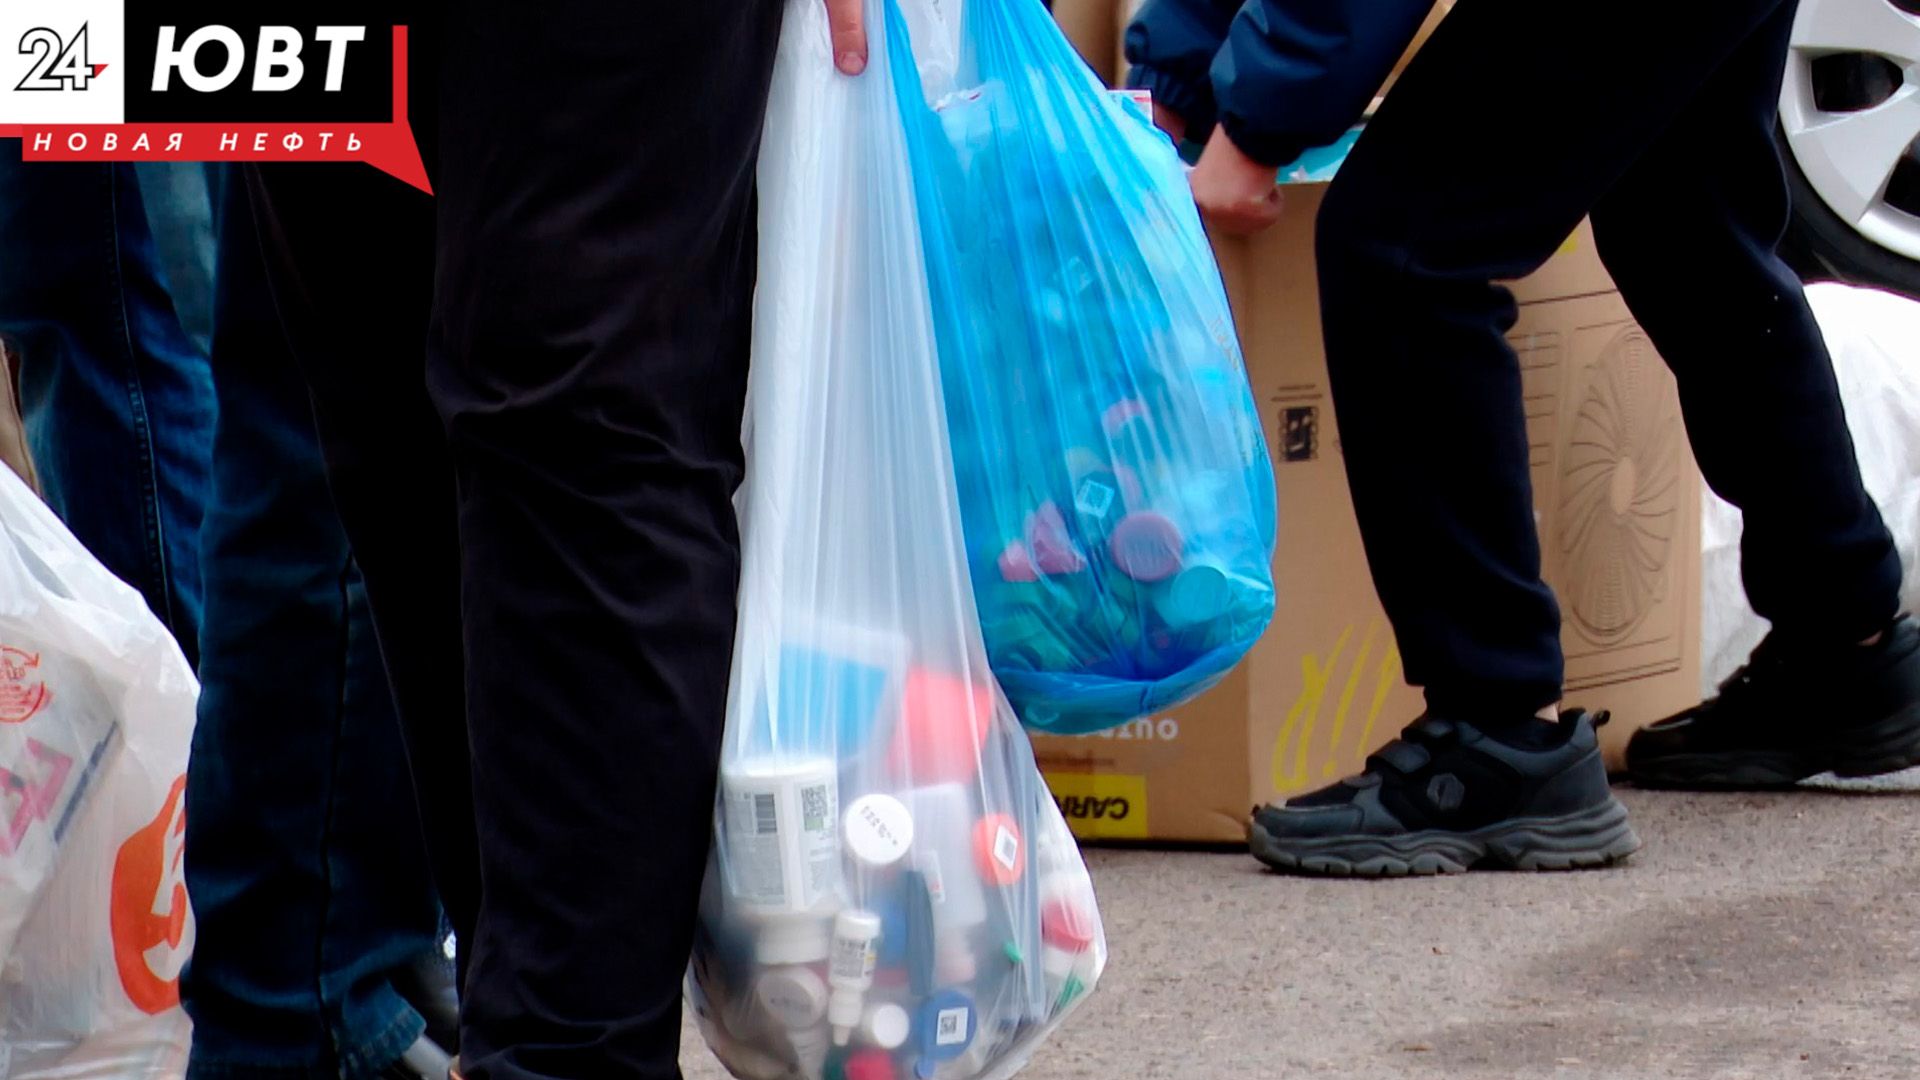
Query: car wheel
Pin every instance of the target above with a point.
(1850, 122)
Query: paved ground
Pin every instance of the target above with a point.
(1756, 936)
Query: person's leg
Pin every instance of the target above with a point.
(592, 314)
(357, 326)
(1488, 153)
(116, 399)
(1690, 237)
(305, 862)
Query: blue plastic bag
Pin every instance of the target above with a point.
(1115, 488)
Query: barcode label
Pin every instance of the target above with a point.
(1006, 848)
(814, 811)
(1094, 498)
(950, 1027)
(766, 814)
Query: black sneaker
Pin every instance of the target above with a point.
(1791, 713)
(1445, 798)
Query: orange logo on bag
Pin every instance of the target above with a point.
(21, 694)
(149, 914)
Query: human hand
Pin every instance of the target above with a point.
(849, 36)
(1170, 122)
(1235, 193)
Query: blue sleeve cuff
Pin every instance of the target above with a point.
(1189, 99)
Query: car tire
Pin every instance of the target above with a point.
(1822, 247)
(1849, 131)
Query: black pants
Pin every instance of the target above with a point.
(542, 505)
(1515, 120)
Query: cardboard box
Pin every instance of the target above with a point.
(1619, 506)
(1090, 26)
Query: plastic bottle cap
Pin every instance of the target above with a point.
(1146, 546)
(886, 1026)
(793, 996)
(1053, 550)
(1196, 594)
(998, 849)
(1016, 564)
(879, 830)
(945, 722)
(871, 1065)
(946, 1026)
(1064, 924)
(1119, 413)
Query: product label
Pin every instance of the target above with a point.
(950, 1027)
(753, 848)
(820, 839)
(853, 960)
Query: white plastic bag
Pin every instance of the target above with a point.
(1874, 338)
(893, 891)
(96, 714)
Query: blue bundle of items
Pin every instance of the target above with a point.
(1115, 488)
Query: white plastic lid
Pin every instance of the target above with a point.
(794, 996)
(886, 1026)
(879, 830)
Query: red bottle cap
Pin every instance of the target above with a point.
(1053, 550)
(944, 725)
(1016, 564)
(870, 1065)
(1146, 546)
(999, 850)
(1065, 925)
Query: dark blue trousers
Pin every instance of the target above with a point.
(1516, 120)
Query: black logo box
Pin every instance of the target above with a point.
(366, 89)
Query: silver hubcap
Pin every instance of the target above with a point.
(1851, 155)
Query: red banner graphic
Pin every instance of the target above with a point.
(389, 147)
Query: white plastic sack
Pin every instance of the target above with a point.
(1875, 341)
(96, 714)
(893, 891)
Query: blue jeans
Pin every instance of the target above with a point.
(118, 402)
(305, 860)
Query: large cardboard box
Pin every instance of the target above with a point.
(1618, 502)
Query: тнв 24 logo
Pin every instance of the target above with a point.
(56, 63)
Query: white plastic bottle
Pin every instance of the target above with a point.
(850, 971)
(781, 850)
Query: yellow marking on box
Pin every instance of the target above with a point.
(1101, 805)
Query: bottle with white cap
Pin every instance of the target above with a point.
(850, 970)
(886, 1025)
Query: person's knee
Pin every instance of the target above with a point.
(1353, 247)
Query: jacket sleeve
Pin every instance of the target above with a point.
(1296, 74)
(1171, 46)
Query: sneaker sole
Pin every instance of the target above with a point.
(1888, 746)
(1587, 840)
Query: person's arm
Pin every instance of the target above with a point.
(1295, 74)
(1170, 46)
